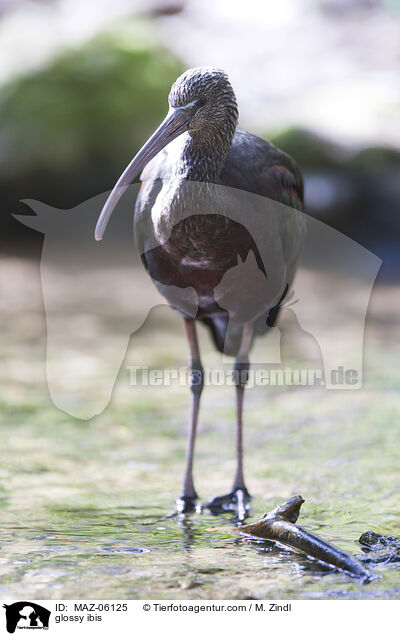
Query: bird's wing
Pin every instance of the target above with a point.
(283, 183)
(256, 165)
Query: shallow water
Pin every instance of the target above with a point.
(128, 552)
(85, 505)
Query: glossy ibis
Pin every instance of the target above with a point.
(198, 251)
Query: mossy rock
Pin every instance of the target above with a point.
(314, 152)
(75, 124)
(309, 149)
(376, 159)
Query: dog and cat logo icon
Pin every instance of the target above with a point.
(26, 615)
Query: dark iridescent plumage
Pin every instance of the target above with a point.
(213, 152)
(197, 159)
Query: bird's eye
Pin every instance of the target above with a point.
(201, 102)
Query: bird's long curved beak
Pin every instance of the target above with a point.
(175, 123)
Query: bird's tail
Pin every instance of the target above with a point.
(228, 340)
(218, 326)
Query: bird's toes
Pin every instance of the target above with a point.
(237, 501)
(186, 504)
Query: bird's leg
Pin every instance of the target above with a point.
(187, 500)
(242, 367)
(238, 499)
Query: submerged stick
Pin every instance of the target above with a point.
(279, 525)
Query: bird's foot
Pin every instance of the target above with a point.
(237, 501)
(186, 504)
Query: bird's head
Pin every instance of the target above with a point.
(206, 94)
(201, 101)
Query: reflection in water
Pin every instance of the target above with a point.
(185, 522)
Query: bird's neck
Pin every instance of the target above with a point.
(203, 156)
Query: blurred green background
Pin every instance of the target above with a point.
(82, 86)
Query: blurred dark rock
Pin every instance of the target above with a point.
(379, 549)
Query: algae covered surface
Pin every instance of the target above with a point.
(85, 505)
